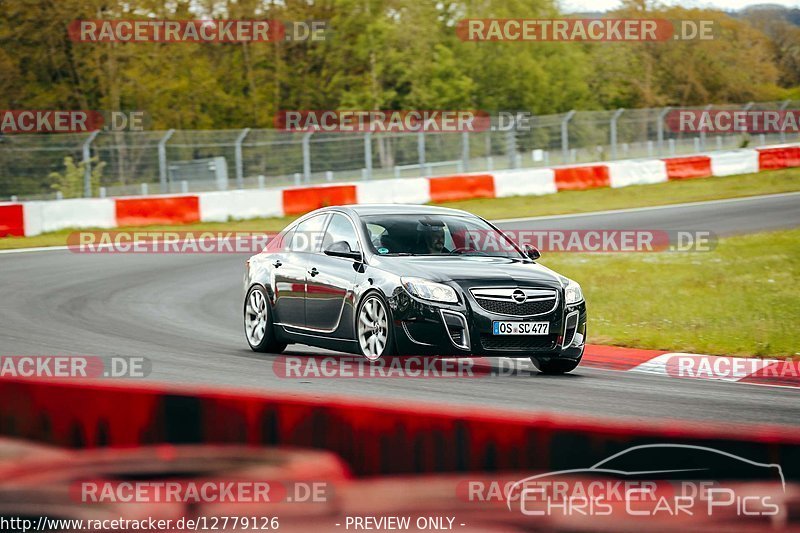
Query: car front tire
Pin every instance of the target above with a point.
(258, 325)
(374, 327)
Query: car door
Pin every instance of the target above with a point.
(289, 268)
(330, 280)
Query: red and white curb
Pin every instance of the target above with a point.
(775, 372)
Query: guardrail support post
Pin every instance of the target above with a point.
(783, 107)
(511, 143)
(87, 164)
(307, 156)
(162, 159)
(702, 131)
(238, 156)
(565, 136)
(660, 128)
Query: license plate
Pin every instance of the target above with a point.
(520, 328)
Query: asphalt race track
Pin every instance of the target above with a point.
(183, 312)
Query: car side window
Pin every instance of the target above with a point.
(340, 229)
(308, 235)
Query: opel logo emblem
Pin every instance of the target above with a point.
(519, 296)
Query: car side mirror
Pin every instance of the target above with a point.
(532, 252)
(342, 249)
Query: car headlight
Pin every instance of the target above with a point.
(572, 293)
(429, 290)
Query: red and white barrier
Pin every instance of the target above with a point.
(12, 220)
(394, 191)
(637, 172)
(43, 217)
(525, 182)
(240, 205)
(582, 177)
(33, 218)
(783, 156)
(734, 162)
(681, 168)
(461, 187)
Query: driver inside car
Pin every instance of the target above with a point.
(431, 235)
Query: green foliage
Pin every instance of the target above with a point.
(378, 54)
(71, 182)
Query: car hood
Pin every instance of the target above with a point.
(470, 269)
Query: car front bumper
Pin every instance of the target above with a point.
(431, 328)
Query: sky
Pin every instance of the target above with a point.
(604, 5)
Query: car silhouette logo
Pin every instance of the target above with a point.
(519, 296)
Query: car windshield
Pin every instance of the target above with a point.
(426, 234)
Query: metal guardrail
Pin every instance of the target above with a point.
(135, 162)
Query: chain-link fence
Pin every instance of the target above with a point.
(132, 163)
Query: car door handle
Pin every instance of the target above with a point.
(277, 263)
(313, 272)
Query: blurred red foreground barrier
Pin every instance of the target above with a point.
(372, 438)
(680, 168)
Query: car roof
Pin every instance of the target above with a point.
(399, 209)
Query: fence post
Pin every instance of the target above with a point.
(702, 131)
(307, 156)
(421, 151)
(511, 143)
(465, 150)
(87, 164)
(783, 107)
(613, 128)
(238, 156)
(368, 155)
(660, 128)
(565, 136)
(162, 159)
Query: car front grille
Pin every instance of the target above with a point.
(516, 343)
(502, 301)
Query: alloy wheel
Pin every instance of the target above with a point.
(255, 317)
(373, 328)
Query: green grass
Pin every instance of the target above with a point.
(521, 206)
(742, 298)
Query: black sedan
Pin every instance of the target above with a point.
(381, 280)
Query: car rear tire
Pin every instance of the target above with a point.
(258, 325)
(374, 328)
(555, 366)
